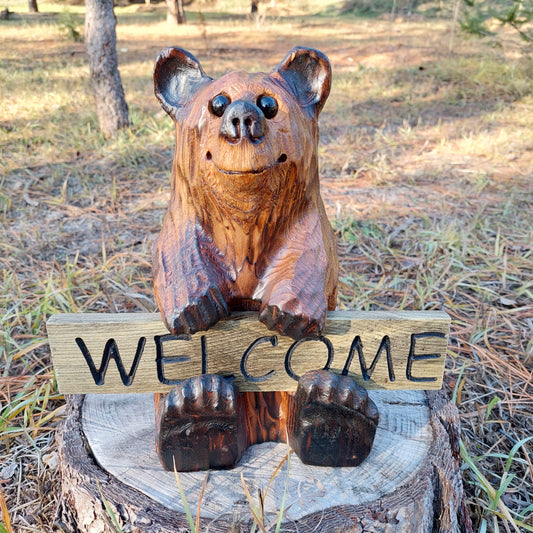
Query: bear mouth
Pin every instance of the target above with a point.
(281, 159)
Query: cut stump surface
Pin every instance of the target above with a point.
(410, 482)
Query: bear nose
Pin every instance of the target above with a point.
(243, 119)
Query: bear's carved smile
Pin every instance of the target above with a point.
(281, 159)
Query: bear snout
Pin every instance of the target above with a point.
(243, 120)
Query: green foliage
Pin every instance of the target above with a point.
(109, 510)
(379, 7)
(496, 505)
(514, 13)
(517, 15)
(185, 503)
(366, 7)
(258, 511)
(68, 23)
(474, 21)
(426, 159)
(29, 411)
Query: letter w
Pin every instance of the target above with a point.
(111, 352)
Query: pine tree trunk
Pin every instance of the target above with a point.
(32, 6)
(175, 12)
(101, 40)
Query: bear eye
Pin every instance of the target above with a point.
(267, 105)
(218, 104)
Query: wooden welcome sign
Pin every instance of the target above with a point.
(120, 353)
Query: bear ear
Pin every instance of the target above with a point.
(308, 74)
(177, 76)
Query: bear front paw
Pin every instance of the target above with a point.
(333, 422)
(196, 425)
(200, 313)
(291, 322)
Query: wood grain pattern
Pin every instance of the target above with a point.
(204, 423)
(226, 343)
(246, 227)
(333, 421)
(410, 482)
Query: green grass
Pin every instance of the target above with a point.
(497, 508)
(426, 162)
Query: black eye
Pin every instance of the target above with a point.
(267, 105)
(218, 104)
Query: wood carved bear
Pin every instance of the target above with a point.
(246, 229)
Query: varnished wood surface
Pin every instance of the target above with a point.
(227, 341)
(246, 227)
(205, 423)
(332, 421)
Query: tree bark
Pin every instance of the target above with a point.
(101, 40)
(410, 482)
(175, 12)
(32, 6)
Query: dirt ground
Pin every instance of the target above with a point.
(426, 172)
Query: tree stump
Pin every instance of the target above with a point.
(410, 482)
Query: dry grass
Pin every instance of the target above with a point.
(426, 161)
